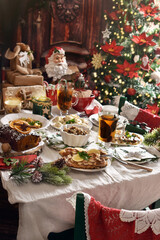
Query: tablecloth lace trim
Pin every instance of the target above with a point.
(87, 199)
(129, 111)
(72, 200)
(143, 220)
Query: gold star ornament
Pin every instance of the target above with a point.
(97, 60)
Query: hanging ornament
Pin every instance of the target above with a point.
(135, 3)
(106, 34)
(136, 58)
(96, 60)
(145, 63)
(104, 62)
(131, 91)
(156, 76)
(96, 93)
(157, 51)
(107, 78)
(128, 28)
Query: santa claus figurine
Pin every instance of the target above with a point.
(56, 65)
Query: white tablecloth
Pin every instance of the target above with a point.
(43, 207)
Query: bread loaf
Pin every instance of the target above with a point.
(18, 141)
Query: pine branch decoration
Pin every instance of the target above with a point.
(153, 138)
(53, 173)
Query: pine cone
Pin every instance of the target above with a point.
(36, 177)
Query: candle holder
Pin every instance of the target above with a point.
(42, 106)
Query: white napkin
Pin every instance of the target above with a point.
(133, 153)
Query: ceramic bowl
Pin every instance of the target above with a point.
(73, 140)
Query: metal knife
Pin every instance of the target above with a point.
(133, 164)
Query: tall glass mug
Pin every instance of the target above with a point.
(107, 126)
(64, 96)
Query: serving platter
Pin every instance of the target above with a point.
(13, 116)
(93, 170)
(118, 141)
(28, 151)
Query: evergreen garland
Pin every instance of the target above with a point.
(54, 173)
(153, 138)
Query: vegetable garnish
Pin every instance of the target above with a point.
(84, 155)
(70, 121)
(127, 134)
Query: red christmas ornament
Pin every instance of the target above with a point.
(128, 28)
(104, 62)
(157, 51)
(107, 78)
(96, 93)
(131, 91)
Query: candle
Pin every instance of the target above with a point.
(12, 105)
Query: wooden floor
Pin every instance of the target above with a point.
(8, 217)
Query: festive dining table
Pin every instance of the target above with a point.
(44, 207)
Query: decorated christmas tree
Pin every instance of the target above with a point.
(127, 62)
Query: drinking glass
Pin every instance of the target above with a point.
(107, 127)
(64, 96)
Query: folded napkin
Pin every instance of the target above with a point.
(133, 153)
(93, 108)
(26, 158)
(137, 127)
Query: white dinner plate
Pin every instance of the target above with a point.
(10, 117)
(87, 124)
(128, 144)
(94, 119)
(142, 161)
(92, 170)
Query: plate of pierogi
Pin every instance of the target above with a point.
(59, 121)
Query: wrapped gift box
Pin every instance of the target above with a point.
(18, 79)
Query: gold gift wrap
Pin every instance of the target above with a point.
(18, 79)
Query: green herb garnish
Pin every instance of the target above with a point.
(70, 121)
(127, 134)
(84, 155)
(32, 123)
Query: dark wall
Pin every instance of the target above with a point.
(74, 25)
